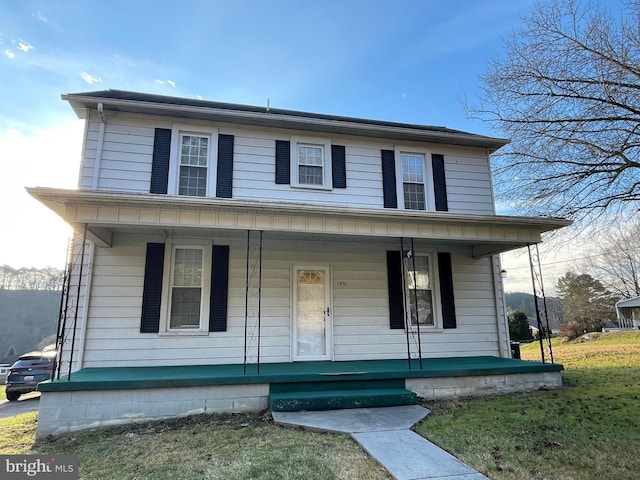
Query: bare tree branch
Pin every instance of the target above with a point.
(567, 93)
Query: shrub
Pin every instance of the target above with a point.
(572, 330)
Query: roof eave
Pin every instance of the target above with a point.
(80, 103)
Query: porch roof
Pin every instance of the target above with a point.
(117, 378)
(107, 212)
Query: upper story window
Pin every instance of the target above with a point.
(192, 169)
(311, 162)
(413, 181)
(419, 290)
(194, 160)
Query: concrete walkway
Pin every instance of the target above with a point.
(384, 433)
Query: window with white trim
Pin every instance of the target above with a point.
(413, 181)
(419, 289)
(311, 162)
(187, 288)
(193, 161)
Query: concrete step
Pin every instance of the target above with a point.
(294, 401)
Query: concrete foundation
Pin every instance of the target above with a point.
(443, 388)
(63, 412)
(68, 411)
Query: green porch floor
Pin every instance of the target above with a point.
(120, 378)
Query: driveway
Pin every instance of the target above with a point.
(29, 402)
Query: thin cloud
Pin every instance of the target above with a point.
(40, 17)
(90, 79)
(9, 54)
(166, 82)
(24, 46)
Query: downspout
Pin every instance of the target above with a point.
(98, 160)
(501, 309)
(85, 304)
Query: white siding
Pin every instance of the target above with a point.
(128, 147)
(360, 307)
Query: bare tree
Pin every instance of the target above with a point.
(567, 93)
(616, 259)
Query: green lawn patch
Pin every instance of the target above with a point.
(233, 447)
(588, 430)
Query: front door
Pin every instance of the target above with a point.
(312, 326)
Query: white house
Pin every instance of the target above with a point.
(628, 313)
(231, 257)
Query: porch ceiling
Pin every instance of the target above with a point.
(105, 213)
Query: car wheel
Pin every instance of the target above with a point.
(13, 396)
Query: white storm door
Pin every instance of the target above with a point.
(312, 326)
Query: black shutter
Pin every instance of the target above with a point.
(338, 166)
(152, 290)
(283, 162)
(224, 179)
(219, 289)
(446, 290)
(389, 179)
(394, 278)
(439, 183)
(160, 162)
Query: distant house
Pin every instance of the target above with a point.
(232, 257)
(628, 313)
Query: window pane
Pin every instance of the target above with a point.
(412, 168)
(424, 307)
(193, 181)
(194, 150)
(414, 196)
(188, 267)
(185, 308)
(310, 175)
(310, 155)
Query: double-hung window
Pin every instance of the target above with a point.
(187, 287)
(418, 273)
(413, 181)
(311, 162)
(193, 161)
(310, 165)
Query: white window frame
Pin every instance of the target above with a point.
(435, 292)
(325, 144)
(171, 245)
(429, 199)
(177, 133)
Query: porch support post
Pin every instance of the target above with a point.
(415, 299)
(64, 306)
(253, 287)
(544, 331)
(404, 296)
(75, 315)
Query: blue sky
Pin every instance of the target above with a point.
(408, 61)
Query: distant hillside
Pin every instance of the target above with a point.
(27, 317)
(524, 302)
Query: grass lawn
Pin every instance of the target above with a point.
(590, 429)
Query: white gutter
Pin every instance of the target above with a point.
(98, 160)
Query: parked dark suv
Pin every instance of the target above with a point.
(30, 369)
